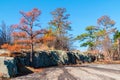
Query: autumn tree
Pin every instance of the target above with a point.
(12, 48)
(105, 34)
(88, 39)
(28, 31)
(62, 26)
(49, 38)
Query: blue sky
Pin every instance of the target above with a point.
(83, 12)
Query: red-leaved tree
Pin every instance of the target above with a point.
(28, 31)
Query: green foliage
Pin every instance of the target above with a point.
(116, 35)
(88, 43)
(90, 28)
(88, 38)
(100, 33)
(82, 37)
(99, 37)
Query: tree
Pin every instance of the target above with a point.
(116, 35)
(117, 43)
(5, 32)
(11, 48)
(88, 39)
(116, 38)
(61, 26)
(28, 31)
(106, 26)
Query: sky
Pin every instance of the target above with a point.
(83, 13)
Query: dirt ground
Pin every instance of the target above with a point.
(83, 72)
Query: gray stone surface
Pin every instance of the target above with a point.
(54, 58)
(84, 72)
(8, 66)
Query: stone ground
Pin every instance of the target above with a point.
(84, 72)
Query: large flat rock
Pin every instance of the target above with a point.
(84, 72)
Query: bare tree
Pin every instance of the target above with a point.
(62, 26)
(5, 33)
(105, 35)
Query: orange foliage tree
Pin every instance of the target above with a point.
(48, 38)
(11, 48)
(28, 31)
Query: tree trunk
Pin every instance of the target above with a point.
(119, 49)
(31, 54)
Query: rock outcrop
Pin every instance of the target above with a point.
(8, 67)
(11, 66)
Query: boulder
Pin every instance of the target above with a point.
(62, 57)
(41, 59)
(8, 67)
(54, 58)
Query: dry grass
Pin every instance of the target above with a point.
(108, 62)
(35, 70)
(5, 54)
(10, 54)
